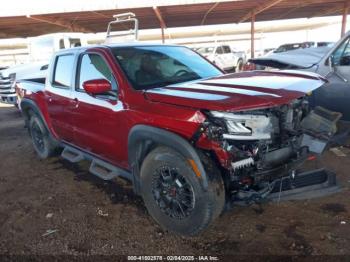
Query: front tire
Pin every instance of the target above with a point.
(174, 196)
(43, 144)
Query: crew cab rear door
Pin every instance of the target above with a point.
(97, 119)
(58, 95)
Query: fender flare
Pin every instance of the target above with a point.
(140, 139)
(30, 104)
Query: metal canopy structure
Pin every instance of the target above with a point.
(175, 16)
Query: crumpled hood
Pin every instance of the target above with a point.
(299, 58)
(239, 91)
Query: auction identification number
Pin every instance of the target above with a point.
(172, 258)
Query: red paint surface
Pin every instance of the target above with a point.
(97, 86)
(103, 130)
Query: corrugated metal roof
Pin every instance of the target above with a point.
(173, 15)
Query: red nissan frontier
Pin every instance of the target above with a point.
(191, 139)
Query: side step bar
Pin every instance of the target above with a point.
(71, 154)
(98, 167)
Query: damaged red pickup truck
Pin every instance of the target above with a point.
(191, 139)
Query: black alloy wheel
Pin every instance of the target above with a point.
(172, 192)
(38, 137)
(44, 145)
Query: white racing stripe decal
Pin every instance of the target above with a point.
(273, 82)
(232, 90)
(187, 94)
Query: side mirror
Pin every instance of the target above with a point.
(97, 86)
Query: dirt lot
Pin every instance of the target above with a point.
(89, 216)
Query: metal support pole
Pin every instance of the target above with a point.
(252, 31)
(345, 14)
(163, 38)
(161, 21)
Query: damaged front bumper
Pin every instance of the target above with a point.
(297, 186)
(306, 185)
(264, 162)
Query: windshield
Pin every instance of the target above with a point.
(289, 47)
(157, 66)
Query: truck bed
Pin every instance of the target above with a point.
(27, 87)
(33, 84)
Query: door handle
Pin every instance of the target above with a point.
(76, 102)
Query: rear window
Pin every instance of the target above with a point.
(63, 71)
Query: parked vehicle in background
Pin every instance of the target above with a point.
(309, 44)
(268, 50)
(322, 44)
(189, 138)
(224, 57)
(331, 62)
(241, 59)
(41, 49)
(9, 76)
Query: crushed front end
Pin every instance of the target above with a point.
(261, 151)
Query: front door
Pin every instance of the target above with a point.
(97, 119)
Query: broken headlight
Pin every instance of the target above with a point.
(245, 126)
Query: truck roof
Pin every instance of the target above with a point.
(126, 44)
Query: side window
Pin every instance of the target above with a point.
(219, 50)
(61, 44)
(92, 66)
(74, 42)
(342, 53)
(63, 71)
(227, 49)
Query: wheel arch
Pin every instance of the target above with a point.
(28, 106)
(142, 139)
(240, 60)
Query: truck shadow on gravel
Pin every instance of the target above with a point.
(333, 208)
(119, 191)
(296, 241)
(218, 246)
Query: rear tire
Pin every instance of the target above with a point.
(174, 196)
(43, 144)
(239, 66)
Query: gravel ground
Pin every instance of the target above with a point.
(52, 207)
